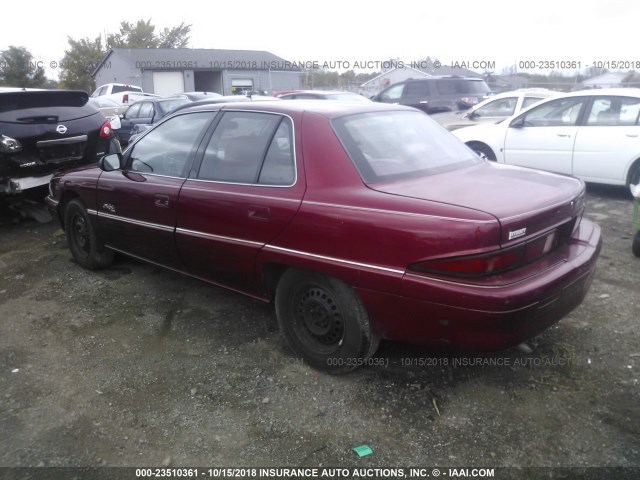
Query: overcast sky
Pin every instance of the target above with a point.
(475, 31)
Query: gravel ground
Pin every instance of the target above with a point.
(138, 366)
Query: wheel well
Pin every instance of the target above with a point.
(64, 201)
(475, 142)
(634, 167)
(271, 274)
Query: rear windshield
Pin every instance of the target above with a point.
(455, 86)
(399, 145)
(23, 107)
(125, 88)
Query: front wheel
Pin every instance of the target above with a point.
(324, 321)
(635, 246)
(85, 245)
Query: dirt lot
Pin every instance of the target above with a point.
(136, 366)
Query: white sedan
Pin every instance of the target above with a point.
(592, 134)
(493, 109)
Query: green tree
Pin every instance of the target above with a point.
(84, 55)
(142, 34)
(79, 62)
(18, 69)
(176, 37)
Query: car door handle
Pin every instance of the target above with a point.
(161, 201)
(564, 135)
(632, 135)
(259, 212)
(424, 102)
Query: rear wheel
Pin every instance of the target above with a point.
(85, 245)
(324, 321)
(482, 150)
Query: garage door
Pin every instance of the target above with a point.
(167, 83)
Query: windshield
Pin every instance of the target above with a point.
(400, 145)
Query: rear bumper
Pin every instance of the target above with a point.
(13, 186)
(463, 316)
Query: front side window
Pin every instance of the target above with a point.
(503, 107)
(167, 149)
(250, 148)
(555, 113)
(146, 110)
(398, 145)
(133, 111)
(393, 93)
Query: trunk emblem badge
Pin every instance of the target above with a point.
(61, 129)
(517, 233)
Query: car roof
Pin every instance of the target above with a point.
(332, 109)
(443, 77)
(624, 92)
(321, 92)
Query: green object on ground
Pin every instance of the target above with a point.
(362, 450)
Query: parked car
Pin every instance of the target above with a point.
(494, 109)
(436, 94)
(140, 128)
(43, 131)
(121, 93)
(360, 221)
(324, 95)
(146, 112)
(592, 134)
(195, 96)
(108, 107)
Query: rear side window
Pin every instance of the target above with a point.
(250, 148)
(460, 86)
(614, 111)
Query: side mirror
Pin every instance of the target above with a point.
(112, 162)
(517, 123)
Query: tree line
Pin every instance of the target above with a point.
(18, 68)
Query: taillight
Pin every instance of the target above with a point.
(490, 263)
(469, 100)
(125, 98)
(9, 145)
(105, 130)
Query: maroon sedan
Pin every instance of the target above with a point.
(360, 221)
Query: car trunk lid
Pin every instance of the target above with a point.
(526, 202)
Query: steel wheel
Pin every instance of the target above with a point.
(324, 321)
(85, 245)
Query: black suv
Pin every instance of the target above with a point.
(436, 94)
(42, 131)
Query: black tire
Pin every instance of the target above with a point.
(635, 246)
(324, 321)
(482, 150)
(634, 175)
(85, 245)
